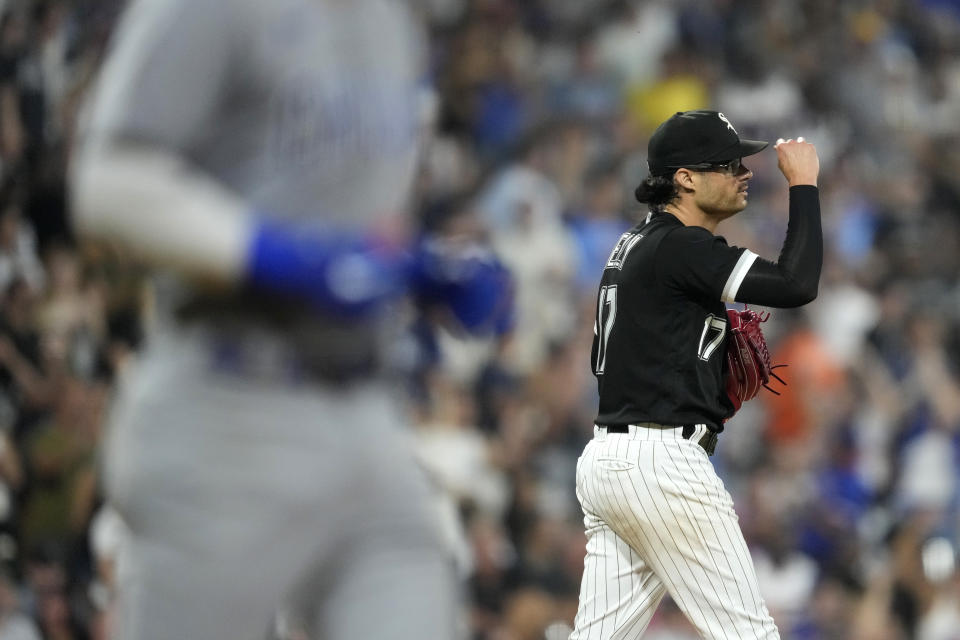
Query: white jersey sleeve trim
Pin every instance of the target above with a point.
(737, 275)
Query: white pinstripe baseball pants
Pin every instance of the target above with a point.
(659, 520)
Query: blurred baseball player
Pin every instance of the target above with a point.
(260, 155)
(658, 517)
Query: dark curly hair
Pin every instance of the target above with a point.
(657, 192)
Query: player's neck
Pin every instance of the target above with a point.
(692, 216)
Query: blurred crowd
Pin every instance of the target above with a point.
(846, 484)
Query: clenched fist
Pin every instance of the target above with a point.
(798, 161)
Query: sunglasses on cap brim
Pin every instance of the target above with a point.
(732, 167)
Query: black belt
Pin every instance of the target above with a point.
(307, 348)
(708, 442)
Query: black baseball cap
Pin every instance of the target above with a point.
(695, 139)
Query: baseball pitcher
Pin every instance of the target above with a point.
(657, 516)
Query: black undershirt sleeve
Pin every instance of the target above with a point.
(793, 280)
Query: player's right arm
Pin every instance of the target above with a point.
(153, 203)
(694, 260)
(794, 278)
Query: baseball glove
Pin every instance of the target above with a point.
(748, 359)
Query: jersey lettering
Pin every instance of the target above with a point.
(626, 242)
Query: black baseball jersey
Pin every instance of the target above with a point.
(658, 348)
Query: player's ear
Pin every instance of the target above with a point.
(684, 179)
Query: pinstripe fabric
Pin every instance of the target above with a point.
(659, 520)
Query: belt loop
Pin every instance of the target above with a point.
(709, 443)
(688, 431)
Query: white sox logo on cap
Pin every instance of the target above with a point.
(729, 126)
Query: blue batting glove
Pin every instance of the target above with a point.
(342, 274)
(468, 280)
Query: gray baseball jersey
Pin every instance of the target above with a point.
(305, 109)
(246, 488)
